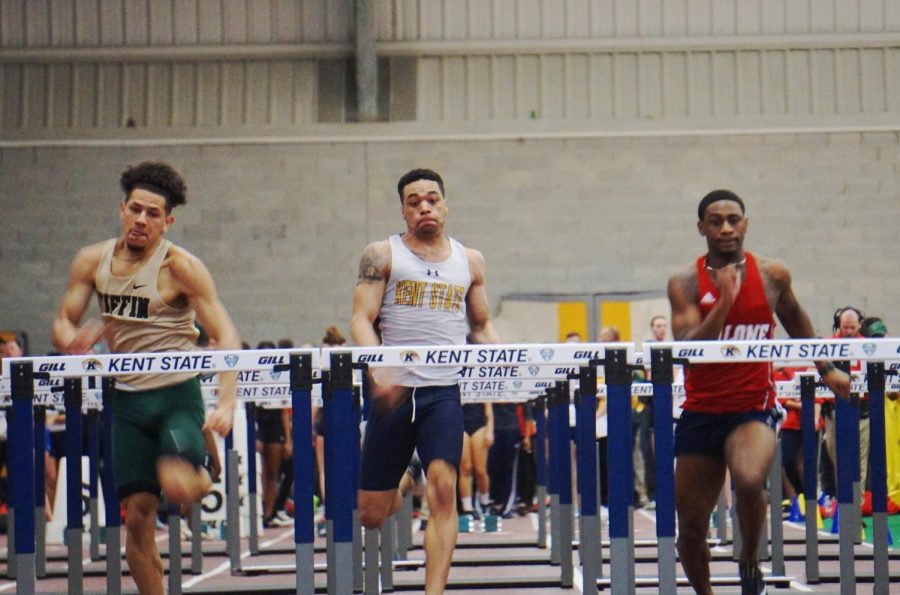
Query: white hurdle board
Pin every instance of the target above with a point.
(806, 350)
(523, 354)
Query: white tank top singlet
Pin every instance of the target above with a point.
(143, 321)
(425, 304)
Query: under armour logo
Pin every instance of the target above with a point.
(432, 273)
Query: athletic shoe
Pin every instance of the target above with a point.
(281, 519)
(752, 582)
(651, 505)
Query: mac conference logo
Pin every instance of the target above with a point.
(869, 348)
(517, 384)
(533, 370)
(275, 375)
(231, 360)
(547, 354)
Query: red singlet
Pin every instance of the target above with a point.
(738, 387)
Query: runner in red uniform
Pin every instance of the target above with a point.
(727, 422)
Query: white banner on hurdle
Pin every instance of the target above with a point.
(475, 355)
(702, 352)
(111, 364)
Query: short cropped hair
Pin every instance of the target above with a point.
(716, 196)
(158, 178)
(419, 174)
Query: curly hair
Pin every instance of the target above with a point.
(157, 177)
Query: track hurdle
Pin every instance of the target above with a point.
(806, 350)
(530, 357)
(22, 377)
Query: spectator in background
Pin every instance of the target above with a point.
(659, 326)
(503, 457)
(286, 472)
(792, 438)
(273, 435)
(608, 334)
(846, 325)
(332, 338)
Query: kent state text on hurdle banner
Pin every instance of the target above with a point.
(702, 352)
(474, 355)
(113, 364)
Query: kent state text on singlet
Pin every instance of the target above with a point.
(425, 304)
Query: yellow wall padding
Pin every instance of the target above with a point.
(617, 314)
(573, 318)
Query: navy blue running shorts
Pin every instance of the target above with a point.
(706, 433)
(474, 417)
(430, 421)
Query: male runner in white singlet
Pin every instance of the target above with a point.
(425, 289)
(149, 292)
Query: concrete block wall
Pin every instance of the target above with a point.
(282, 226)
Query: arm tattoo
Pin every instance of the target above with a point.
(369, 270)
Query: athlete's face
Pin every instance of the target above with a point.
(144, 219)
(424, 208)
(724, 225)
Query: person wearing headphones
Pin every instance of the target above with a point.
(846, 325)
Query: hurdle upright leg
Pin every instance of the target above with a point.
(253, 493)
(339, 468)
(846, 417)
(388, 537)
(878, 453)
(372, 547)
(21, 458)
(232, 504)
(404, 527)
(590, 550)
(621, 481)
(776, 517)
(540, 468)
(810, 473)
(196, 539)
(111, 498)
(40, 493)
(174, 522)
(304, 529)
(358, 577)
(92, 422)
(662, 374)
(74, 522)
(553, 420)
(563, 462)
